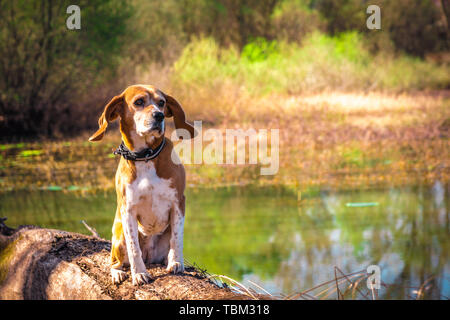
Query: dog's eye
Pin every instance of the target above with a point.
(139, 102)
(161, 103)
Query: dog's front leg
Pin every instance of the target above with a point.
(175, 257)
(130, 228)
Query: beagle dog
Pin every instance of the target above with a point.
(149, 221)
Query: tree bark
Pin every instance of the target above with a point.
(38, 263)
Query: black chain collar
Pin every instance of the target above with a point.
(144, 155)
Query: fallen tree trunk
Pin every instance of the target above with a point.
(38, 263)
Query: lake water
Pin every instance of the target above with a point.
(268, 237)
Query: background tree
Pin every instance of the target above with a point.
(44, 65)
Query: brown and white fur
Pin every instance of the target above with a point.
(149, 221)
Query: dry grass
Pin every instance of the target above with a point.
(342, 140)
(344, 286)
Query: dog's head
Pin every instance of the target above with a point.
(142, 109)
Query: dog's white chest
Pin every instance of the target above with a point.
(151, 198)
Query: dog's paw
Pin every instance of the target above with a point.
(141, 278)
(175, 267)
(118, 276)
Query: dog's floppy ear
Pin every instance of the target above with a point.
(110, 113)
(174, 109)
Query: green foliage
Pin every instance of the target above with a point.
(343, 15)
(293, 20)
(407, 72)
(203, 61)
(30, 153)
(44, 65)
(322, 62)
(259, 50)
(415, 26)
(104, 25)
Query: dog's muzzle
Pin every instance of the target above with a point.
(158, 116)
(158, 121)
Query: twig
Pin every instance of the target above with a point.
(373, 292)
(297, 295)
(421, 290)
(329, 290)
(355, 287)
(337, 286)
(346, 277)
(92, 230)
(265, 291)
(341, 280)
(237, 284)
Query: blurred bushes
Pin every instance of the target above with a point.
(55, 82)
(322, 62)
(415, 26)
(293, 20)
(46, 69)
(343, 15)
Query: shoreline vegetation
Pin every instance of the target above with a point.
(333, 140)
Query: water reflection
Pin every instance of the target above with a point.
(264, 235)
(407, 235)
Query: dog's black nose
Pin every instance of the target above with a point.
(158, 116)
